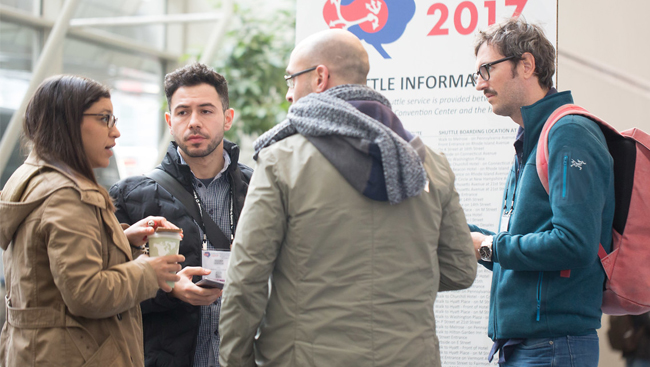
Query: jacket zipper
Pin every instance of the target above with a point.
(494, 309)
(539, 293)
(566, 162)
(496, 292)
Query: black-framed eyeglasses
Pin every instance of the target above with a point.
(109, 119)
(484, 70)
(289, 78)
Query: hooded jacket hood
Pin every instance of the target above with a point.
(29, 186)
(354, 128)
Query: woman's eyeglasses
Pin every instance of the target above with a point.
(108, 119)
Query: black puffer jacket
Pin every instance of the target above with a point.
(170, 325)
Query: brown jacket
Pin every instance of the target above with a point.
(73, 293)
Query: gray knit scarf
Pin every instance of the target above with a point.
(328, 113)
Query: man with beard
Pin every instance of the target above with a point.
(181, 327)
(547, 280)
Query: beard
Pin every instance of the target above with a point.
(510, 101)
(200, 153)
(502, 109)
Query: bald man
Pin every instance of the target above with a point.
(333, 57)
(355, 224)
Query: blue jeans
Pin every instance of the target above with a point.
(566, 351)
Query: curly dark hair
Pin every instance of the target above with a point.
(514, 37)
(195, 74)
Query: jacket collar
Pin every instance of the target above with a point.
(535, 115)
(14, 207)
(89, 192)
(233, 152)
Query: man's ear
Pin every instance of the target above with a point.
(527, 63)
(229, 115)
(168, 119)
(322, 78)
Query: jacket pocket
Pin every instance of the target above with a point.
(60, 338)
(79, 343)
(106, 355)
(537, 343)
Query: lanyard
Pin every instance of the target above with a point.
(231, 217)
(514, 193)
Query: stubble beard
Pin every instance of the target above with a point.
(500, 110)
(497, 109)
(508, 103)
(503, 110)
(214, 143)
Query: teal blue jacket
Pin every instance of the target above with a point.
(550, 233)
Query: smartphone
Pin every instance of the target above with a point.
(210, 283)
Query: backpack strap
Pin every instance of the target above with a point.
(639, 136)
(209, 227)
(175, 188)
(541, 158)
(542, 145)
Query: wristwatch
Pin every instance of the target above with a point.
(486, 249)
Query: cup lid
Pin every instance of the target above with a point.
(169, 230)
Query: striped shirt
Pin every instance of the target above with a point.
(215, 198)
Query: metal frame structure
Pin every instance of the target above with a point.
(147, 19)
(77, 28)
(90, 35)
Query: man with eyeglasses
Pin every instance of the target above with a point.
(355, 222)
(547, 282)
(181, 327)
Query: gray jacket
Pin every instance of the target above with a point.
(353, 280)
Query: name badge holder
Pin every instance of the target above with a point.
(217, 262)
(505, 220)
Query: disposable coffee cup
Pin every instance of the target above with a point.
(165, 241)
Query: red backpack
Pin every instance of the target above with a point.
(627, 287)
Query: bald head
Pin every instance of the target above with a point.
(340, 51)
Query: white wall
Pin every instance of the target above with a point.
(613, 36)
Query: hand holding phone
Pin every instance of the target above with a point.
(210, 283)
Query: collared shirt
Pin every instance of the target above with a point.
(215, 198)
